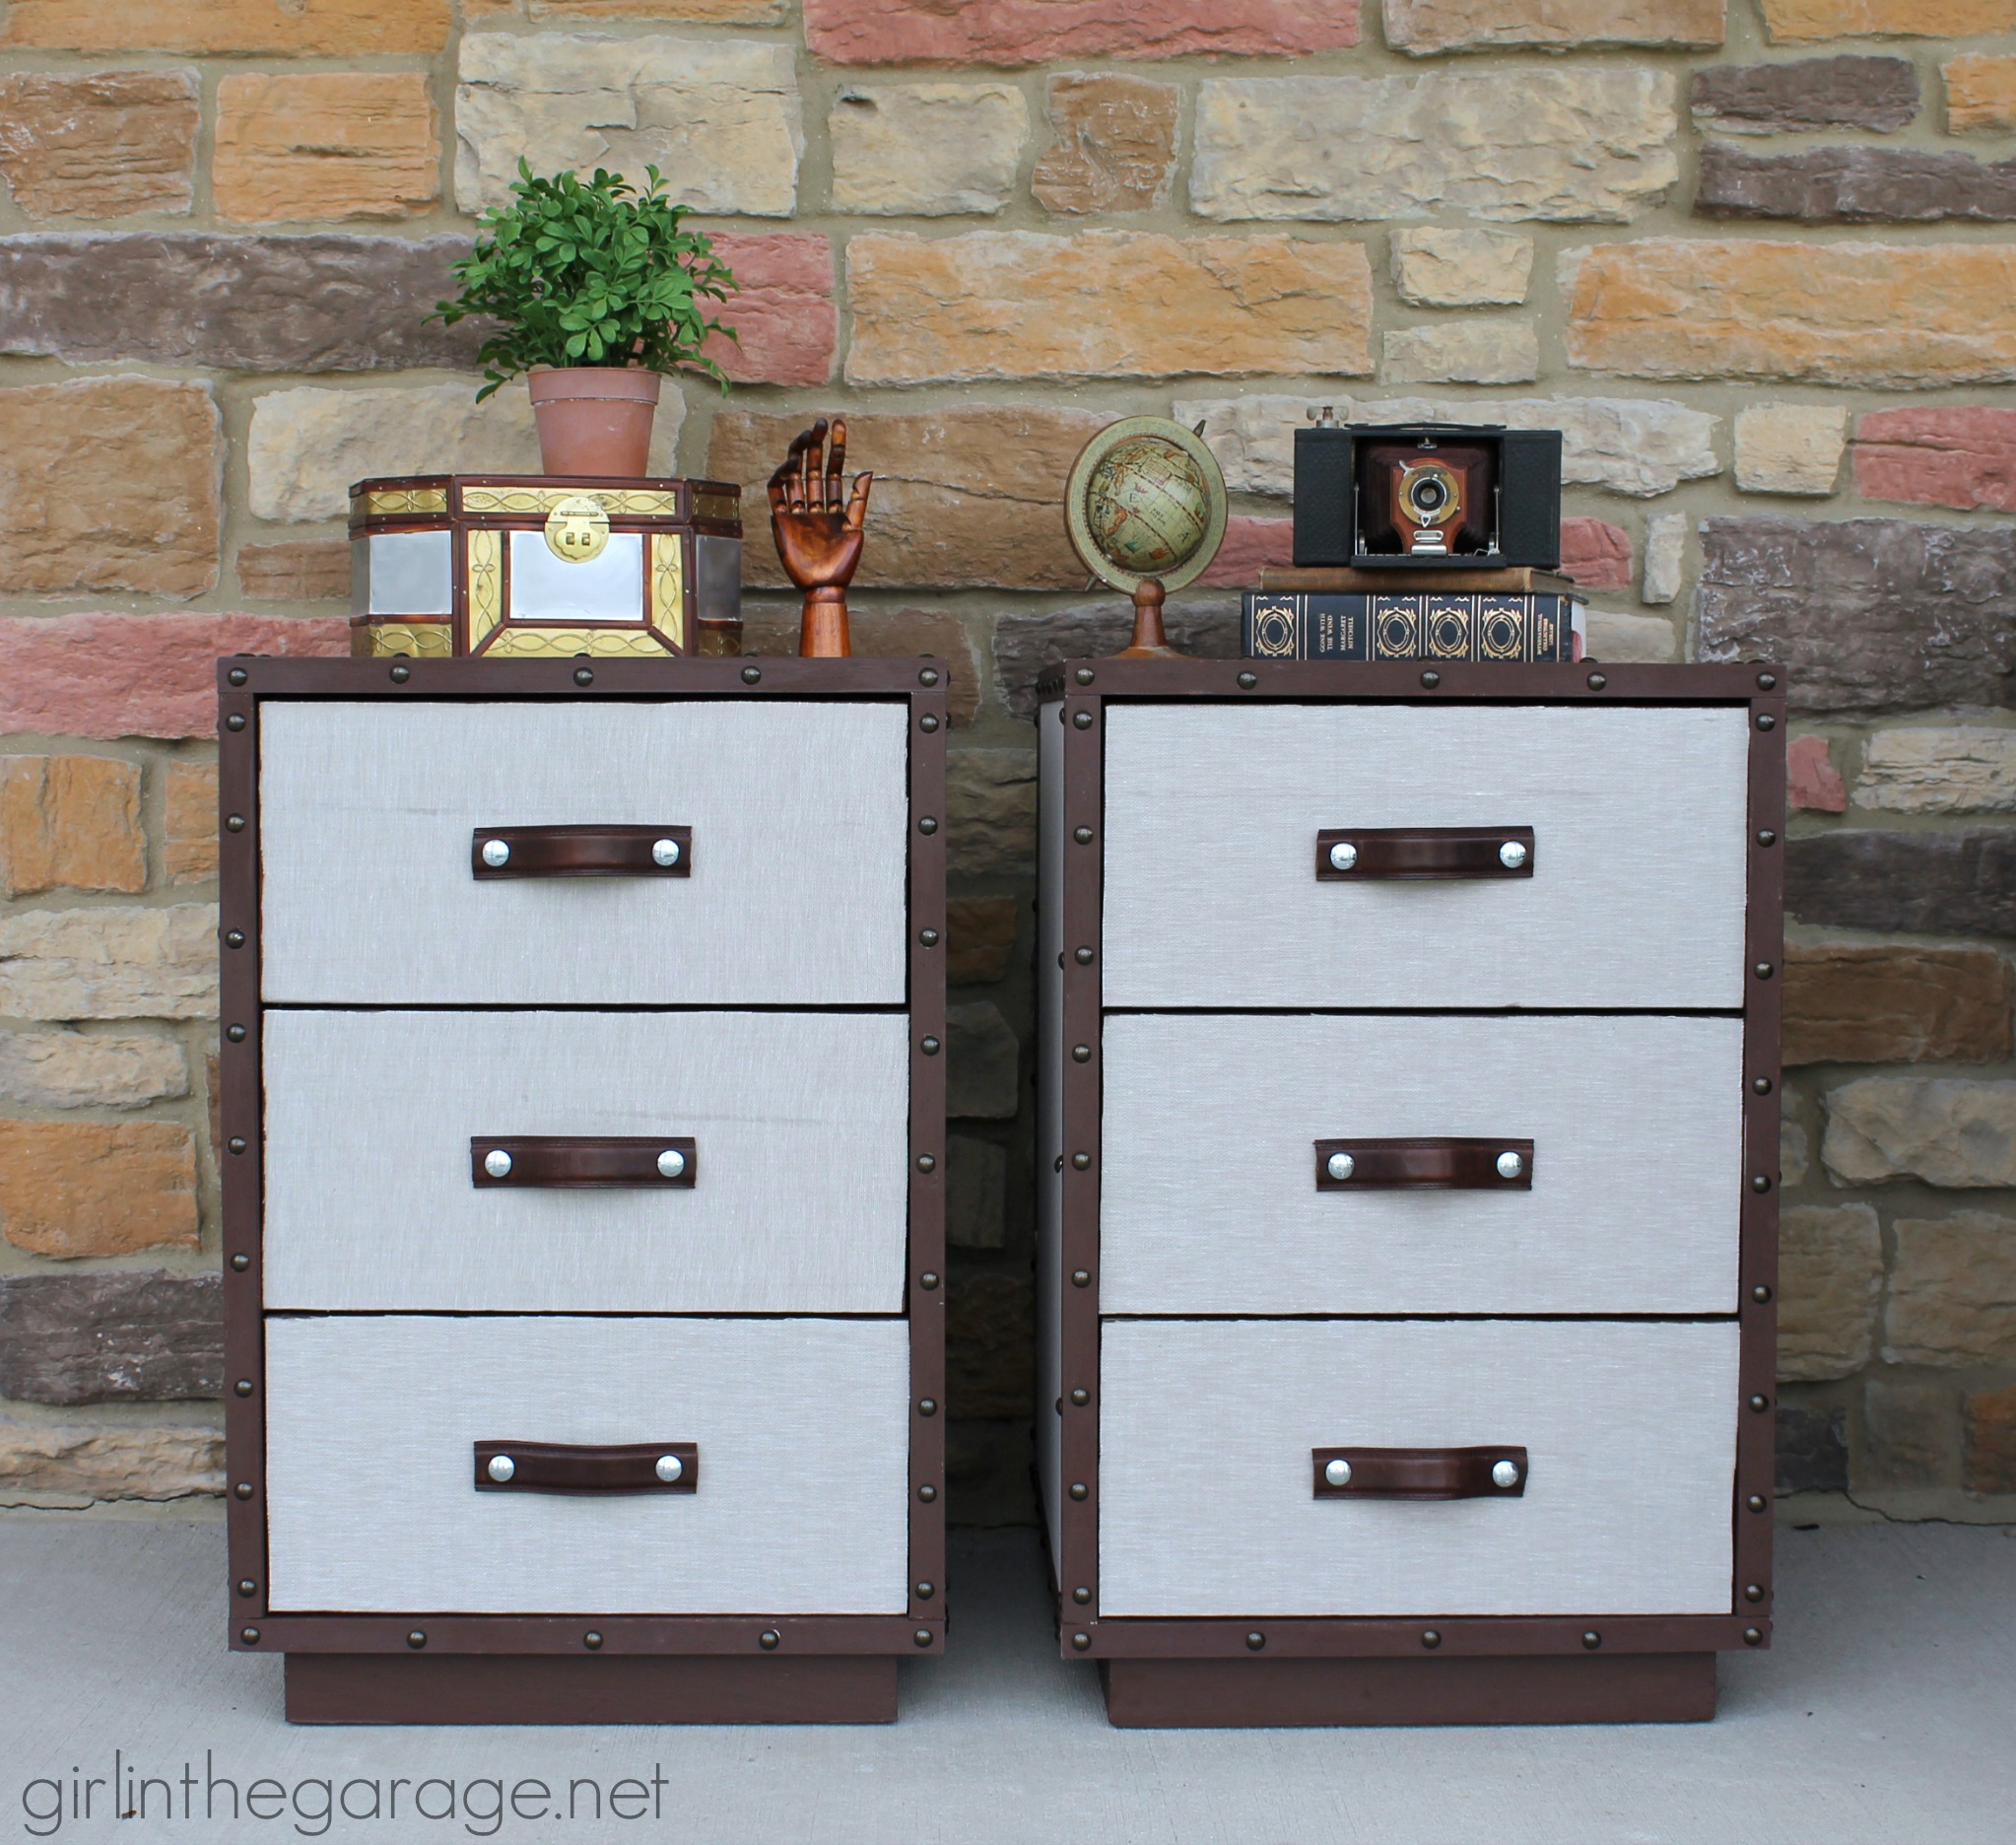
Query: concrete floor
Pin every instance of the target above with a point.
(1887, 1714)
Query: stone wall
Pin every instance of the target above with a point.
(1753, 259)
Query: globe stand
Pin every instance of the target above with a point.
(1149, 642)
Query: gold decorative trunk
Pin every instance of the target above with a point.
(514, 566)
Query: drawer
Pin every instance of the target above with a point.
(800, 818)
(801, 1429)
(1209, 1200)
(1207, 1503)
(800, 1124)
(1634, 898)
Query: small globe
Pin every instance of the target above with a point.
(1147, 506)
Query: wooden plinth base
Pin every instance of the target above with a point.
(1235, 1694)
(542, 1688)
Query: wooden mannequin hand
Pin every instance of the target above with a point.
(818, 532)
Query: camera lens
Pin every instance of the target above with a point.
(1429, 495)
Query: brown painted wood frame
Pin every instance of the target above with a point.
(244, 683)
(1082, 690)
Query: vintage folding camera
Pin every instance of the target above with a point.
(1428, 496)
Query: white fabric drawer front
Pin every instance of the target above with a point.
(802, 1501)
(801, 1125)
(1208, 1199)
(799, 813)
(1206, 1502)
(1635, 896)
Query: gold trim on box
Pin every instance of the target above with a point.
(716, 505)
(517, 640)
(420, 640)
(634, 503)
(666, 610)
(387, 501)
(486, 582)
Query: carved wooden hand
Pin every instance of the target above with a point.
(818, 532)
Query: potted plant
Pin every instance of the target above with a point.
(596, 291)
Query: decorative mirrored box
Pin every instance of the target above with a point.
(545, 567)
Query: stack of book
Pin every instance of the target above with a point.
(1341, 613)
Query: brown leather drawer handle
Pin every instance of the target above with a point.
(586, 1467)
(1431, 1163)
(583, 1160)
(1419, 1473)
(1352, 854)
(556, 851)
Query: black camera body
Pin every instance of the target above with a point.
(1427, 497)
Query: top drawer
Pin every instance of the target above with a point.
(1636, 896)
(795, 896)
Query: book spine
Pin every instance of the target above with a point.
(1513, 630)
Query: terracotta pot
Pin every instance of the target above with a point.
(594, 419)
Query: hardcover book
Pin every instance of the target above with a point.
(1444, 626)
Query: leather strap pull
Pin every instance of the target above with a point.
(564, 852)
(587, 1468)
(581, 1161)
(1354, 856)
(1429, 1163)
(1419, 1473)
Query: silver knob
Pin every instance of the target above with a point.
(1338, 1474)
(1506, 1473)
(1343, 855)
(1512, 855)
(498, 1163)
(1510, 1165)
(671, 1163)
(670, 1468)
(665, 852)
(501, 1467)
(1340, 1166)
(496, 853)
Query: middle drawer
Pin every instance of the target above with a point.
(800, 1124)
(1209, 1201)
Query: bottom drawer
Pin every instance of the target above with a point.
(801, 1427)
(1206, 1491)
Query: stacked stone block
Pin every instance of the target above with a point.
(1752, 256)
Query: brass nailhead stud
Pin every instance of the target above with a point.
(927, 722)
(1247, 681)
(1084, 956)
(250, 1635)
(1760, 1181)
(400, 674)
(243, 1387)
(235, 1145)
(1431, 680)
(235, 823)
(1759, 1405)
(1081, 1641)
(241, 1262)
(1764, 969)
(242, 1490)
(236, 1033)
(927, 1493)
(591, 1640)
(1080, 1397)
(1597, 682)
(1078, 1489)
(925, 1163)
(247, 1586)
(929, 676)
(1083, 836)
(922, 1636)
(1766, 837)
(1753, 1592)
(767, 1639)
(927, 1405)
(236, 721)
(1755, 1502)
(928, 1280)
(1592, 1640)
(1081, 1596)
(930, 1047)
(236, 676)
(1255, 1641)
(925, 1590)
(1430, 1639)
(1767, 680)
(1753, 1636)
(928, 823)
(1760, 1084)
(583, 676)
(929, 937)
(751, 674)
(1083, 720)
(1081, 1054)
(1760, 1293)
(1081, 1160)
(235, 939)
(1084, 676)
(416, 1639)
(1081, 1277)
(1766, 722)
